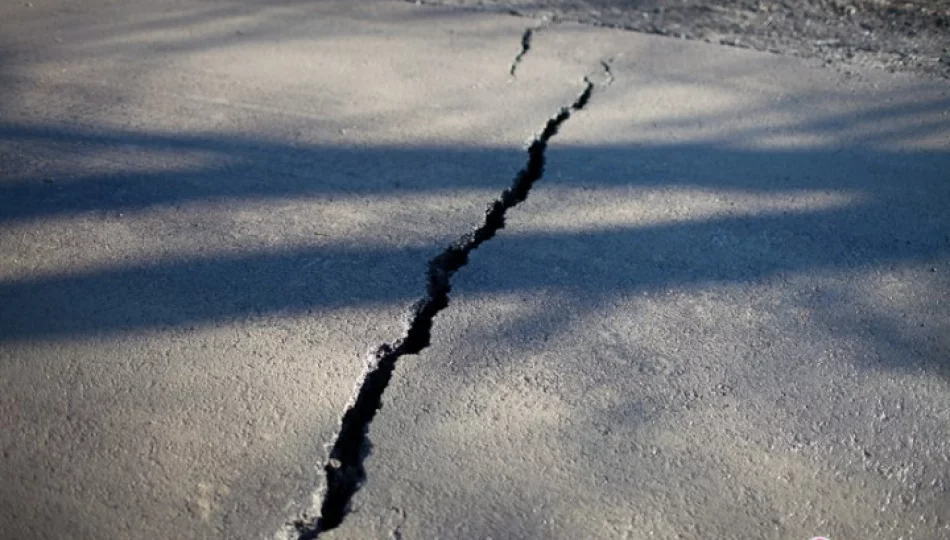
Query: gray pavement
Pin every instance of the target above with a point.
(721, 312)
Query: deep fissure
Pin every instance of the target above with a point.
(608, 72)
(345, 473)
(525, 47)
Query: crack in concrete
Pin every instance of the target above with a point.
(525, 47)
(608, 73)
(345, 473)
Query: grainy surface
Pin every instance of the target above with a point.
(209, 212)
(720, 313)
(891, 34)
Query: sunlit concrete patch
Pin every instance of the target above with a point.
(606, 208)
(704, 409)
(242, 226)
(682, 92)
(235, 79)
(192, 425)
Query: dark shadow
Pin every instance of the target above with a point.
(246, 169)
(898, 217)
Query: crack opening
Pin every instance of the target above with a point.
(608, 73)
(345, 473)
(525, 47)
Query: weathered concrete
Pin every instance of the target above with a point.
(719, 313)
(209, 212)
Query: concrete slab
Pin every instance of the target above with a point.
(721, 313)
(209, 211)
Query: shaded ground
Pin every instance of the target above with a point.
(719, 312)
(896, 35)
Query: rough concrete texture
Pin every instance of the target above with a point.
(209, 212)
(719, 313)
(896, 35)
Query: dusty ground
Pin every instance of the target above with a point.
(891, 34)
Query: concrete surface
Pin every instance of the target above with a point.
(895, 35)
(210, 212)
(720, 313)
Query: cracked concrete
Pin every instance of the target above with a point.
(344, 469)
(718, 314)
(525, 47)
(201, 238)
(681, 333)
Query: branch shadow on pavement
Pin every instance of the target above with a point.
(896, 217)
(892, 222)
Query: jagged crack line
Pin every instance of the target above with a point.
(608, 72)
(344, 469)
(525, 47)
